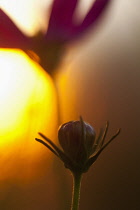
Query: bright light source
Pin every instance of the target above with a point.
(27, 106)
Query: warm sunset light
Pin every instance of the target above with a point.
(27, 105)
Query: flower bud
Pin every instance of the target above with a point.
(80, 148)
(77, 139)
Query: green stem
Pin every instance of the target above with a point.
(76, 191)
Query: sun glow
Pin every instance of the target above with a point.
(27, 106)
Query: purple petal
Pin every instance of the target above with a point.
(60, 24)
(10, 35)
(93, 15)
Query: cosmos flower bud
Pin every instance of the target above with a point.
(80, 148)
(76, 139)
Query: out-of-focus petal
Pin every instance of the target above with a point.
(10, 35)
(93, 15)
(60, 23)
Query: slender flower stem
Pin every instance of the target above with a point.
(76, 191)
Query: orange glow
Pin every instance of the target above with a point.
(27, 105)
(67, 95)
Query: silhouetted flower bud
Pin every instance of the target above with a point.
(77, 139)
(80, 148)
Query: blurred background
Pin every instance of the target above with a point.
(99, 79)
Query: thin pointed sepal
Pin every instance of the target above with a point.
(95, 156)
(48, 146)
(58, 152)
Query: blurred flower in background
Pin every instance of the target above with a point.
(62, 29)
